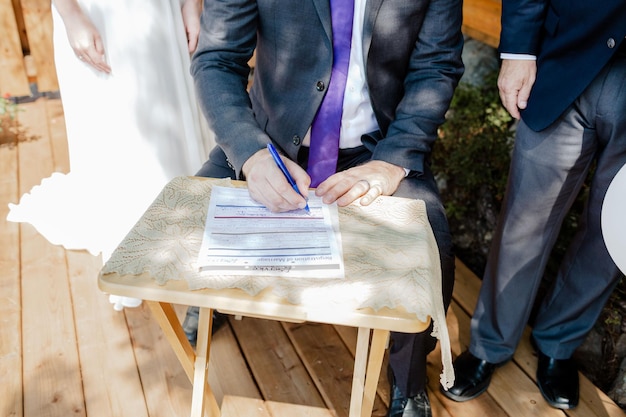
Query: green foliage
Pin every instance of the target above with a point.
(11, 131)
(8, 114)
(472, 153)
(8, 107)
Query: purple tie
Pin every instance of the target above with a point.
(327, 123)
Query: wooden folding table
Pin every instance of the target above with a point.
(156, 260)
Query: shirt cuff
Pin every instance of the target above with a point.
(506, 55)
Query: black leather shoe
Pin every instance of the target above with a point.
(400, 406)
(190, 324)
(471, 377)
(558, 381)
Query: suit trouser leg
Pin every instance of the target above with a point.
(548, 169)
(587, 275)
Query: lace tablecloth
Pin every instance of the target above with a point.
(390, 254)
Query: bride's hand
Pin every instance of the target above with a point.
(191, 11)
(85, 40)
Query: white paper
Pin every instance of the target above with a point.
(242, 237)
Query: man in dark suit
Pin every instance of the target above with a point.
(564, 73)
(405, 62)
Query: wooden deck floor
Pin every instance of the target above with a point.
(65, 352)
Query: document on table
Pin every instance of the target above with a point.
(243, 237)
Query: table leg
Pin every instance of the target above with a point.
(365, 382)
(202, 396)
(358, 378)
(376, 356)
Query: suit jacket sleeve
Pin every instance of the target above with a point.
(412, 104)
(522, 22)
(220, 71)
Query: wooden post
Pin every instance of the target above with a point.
(13, 79)
(38, 22)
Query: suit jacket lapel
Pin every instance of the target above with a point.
(371, 12)
(323, 11)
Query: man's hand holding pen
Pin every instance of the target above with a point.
(269, 186)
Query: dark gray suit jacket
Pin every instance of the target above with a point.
(412, 50)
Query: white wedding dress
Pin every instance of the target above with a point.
(128, 133)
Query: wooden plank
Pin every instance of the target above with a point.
(17, 7)
(38, 22)
(10, 293)
(166, 388)
(275, 365)
(52, 380)
(438, 409)
(518, 395)
(481, 36)
(481, 20)
(234, 406)
(13, 79)
(593, 402)
(329, 362)
(107, 362)
(290, 410)
(35, 157)
(51, 370)
(228, 370)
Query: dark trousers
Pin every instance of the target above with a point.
(408, 351)
(548, 169)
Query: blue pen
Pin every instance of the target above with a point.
(283, 168)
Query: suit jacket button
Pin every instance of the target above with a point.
(610, 43)
(320, 86)
(296, 140)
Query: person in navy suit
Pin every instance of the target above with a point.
(563, 75)
(405, 62)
